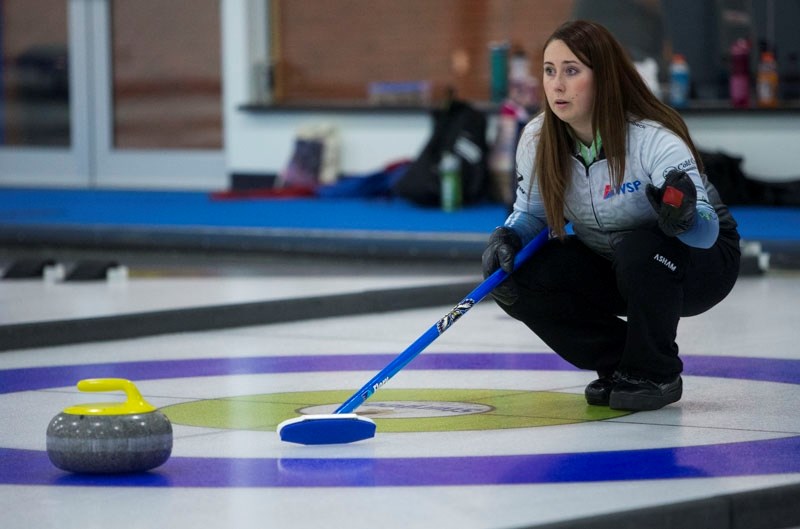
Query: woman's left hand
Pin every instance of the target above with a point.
(675, 202)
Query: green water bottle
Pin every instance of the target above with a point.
(450, 175)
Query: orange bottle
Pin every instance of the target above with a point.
(767, 82)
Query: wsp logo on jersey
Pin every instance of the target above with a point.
(626, 187)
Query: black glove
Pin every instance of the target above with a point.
(503, 246)
(675, 203)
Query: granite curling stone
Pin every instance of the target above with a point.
(109, 438)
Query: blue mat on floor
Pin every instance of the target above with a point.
(768, 223)
(31, 208)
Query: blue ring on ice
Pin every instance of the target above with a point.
(771, 456)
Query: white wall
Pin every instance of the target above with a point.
(262, 142)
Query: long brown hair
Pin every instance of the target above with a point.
(619, 94)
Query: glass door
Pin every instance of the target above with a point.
(43, 114)
(111, 93)
(158, 82)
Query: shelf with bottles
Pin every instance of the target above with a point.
(751, 83)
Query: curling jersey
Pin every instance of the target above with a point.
(601, 213)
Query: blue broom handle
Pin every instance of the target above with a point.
(411, 352)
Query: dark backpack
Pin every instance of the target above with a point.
(735, 187)
(725, 172)
(460, 129)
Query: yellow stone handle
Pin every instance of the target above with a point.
(133, 404)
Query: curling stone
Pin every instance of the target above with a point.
(108, 438)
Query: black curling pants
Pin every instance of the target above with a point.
(622, 314)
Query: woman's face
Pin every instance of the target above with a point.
(569, 89)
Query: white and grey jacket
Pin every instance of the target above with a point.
(602, 214)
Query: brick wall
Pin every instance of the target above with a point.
(331, 50)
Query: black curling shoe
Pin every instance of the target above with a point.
(598, 391)
(635, 394)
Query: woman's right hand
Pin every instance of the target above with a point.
(504, 243)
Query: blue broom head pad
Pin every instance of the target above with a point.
(326, 429)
